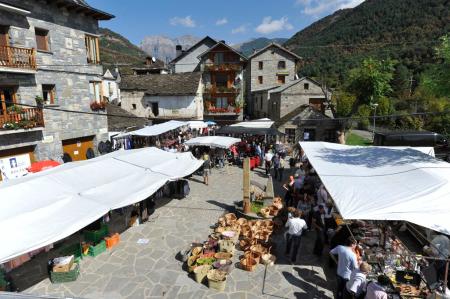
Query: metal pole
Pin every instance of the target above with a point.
(446, 275)
(374, 117)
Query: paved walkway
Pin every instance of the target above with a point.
(131, 270)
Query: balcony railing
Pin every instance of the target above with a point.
(230, 110)
(17, 58)
(221, 89)
(24, 118)
(223, 67)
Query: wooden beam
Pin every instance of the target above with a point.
(246, 186)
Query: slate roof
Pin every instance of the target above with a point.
(274, 45)
(226, 46)
(165, 84)
(292, 83)
(120, 119)
(81, 5)
(302, 112)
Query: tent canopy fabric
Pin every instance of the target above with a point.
(380, 183)
(213, 141)
(263, 123)
(247, 130)
(158, 129)
(46, 207)
(197, 124)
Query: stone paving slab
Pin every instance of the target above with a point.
(132, 270)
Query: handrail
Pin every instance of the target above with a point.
(26, 118)
(20, 58)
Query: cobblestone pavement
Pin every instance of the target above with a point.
(132, 270)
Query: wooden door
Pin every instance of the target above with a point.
(4, 36)
(7, 99)
(78, 148)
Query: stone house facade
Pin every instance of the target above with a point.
(292, 104)
(162, 97)
(270, 67)
(49, 50)
(188, 60)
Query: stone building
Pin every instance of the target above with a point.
(188, 60)
(49, 61)
(110, 85)
(268, 68)
(162, 97)
(223, 77)
(300, 107)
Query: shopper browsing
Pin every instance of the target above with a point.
(346, 263)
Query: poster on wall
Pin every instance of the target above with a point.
(14, 167)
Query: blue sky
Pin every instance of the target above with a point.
(232, 20)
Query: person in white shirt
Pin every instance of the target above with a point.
(377, 290)
(295, 226)
(356, 286)
(346, 263)
(268, 160)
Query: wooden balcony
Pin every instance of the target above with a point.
(221, 90)
(223, 67)
(26, 118)
(17, 59)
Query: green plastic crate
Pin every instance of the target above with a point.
(73, 249)
(95, 236)
(95, 250)
(61, 277)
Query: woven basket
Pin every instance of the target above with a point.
(215, 284)
(197, 251)
(226, 246)
(268, 259)
(191, 263)
(254, 255)
(230, 218)
(242, 221)
(200, 272)
(223, 256)
(248, 264)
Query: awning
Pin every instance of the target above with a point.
(213, 141)
(380, 183)
(45, 207)
(197, 124)
(158, 129)
(263, 123)
(247, 130)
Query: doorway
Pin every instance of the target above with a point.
(309, 135)
(7, 99)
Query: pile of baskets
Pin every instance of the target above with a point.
(272, 210)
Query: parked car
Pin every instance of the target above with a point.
(415, 138)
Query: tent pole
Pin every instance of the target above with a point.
(446, 274)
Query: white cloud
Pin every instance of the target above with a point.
(320, 7)
(240, 29)
(185, 22)
(221, 22)
(268, 25)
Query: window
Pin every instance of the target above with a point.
(93, 54)
(133, 106)
(221, 103)
(281, 65)
(306, 86)
(260, 79)
(218, 58)
(221, 80)
(48, 94)
(290, 135)
(42, 39)
(155, 108)
(317, 104)
(260, 65)
(281, 79)
(95, 91)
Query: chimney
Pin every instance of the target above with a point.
(148, 60)
(223, 42)
(179, 50)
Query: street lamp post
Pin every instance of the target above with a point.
(374, 107)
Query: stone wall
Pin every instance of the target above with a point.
(190, 62)
(65, 66)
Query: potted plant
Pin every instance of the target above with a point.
(14, 109)
(39, 101)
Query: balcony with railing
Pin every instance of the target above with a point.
(213, 90)
(222, 67)
(14, 59)
(16, 118)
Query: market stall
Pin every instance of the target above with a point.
(213, 141)
(51, 205)
(380, 184)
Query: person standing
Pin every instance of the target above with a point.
(318, 222)
(295, 226)
(268, 160)
(281, 169)
(276, 165)
(289, 196)
(258, 152)
(355, 288)
(346, 263)
(206, 168)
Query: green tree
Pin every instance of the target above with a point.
(343, 101)
(371, 81)
(437, 78)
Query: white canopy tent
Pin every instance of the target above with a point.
(381, 183)
(263, 123)
(197, 124)
(43, 208)
(158, 129)
(213, 141)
